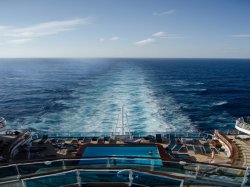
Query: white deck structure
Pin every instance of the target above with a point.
(243, 124)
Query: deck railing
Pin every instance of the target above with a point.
(39, 135)
(194, 171)
(231, 146)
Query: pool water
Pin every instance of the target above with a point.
(124, 151)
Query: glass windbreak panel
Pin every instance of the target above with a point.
(53, 180)
(93, 161)
(176, 167)
(9, 172)
(71, 163)
(123, 176)
(227, 174)
(153, 180)
(12, 184)
(41, 167)
(231, 174)
(206, 170)
(102, 176)
(247, 179)
(154, 162)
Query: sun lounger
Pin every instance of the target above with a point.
(87, 140)
(207, 149)
(172, 143)
(100, 140)
(171, 146)
(180, 156)
(199, 150)
(190, 148)
(133, 141)
(112, 141)
(177, 147)
(158, 138)
(106, 138)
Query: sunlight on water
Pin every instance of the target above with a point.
(76, 95)
(97, 108)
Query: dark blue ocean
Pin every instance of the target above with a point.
(86, 95)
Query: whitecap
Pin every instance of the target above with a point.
(219, 103)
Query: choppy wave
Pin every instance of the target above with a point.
(87, 95)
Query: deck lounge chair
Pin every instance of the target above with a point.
(207, 148)
(87, 140)
(100, 140)
(199, 150)
(177, 147)
(182, 156)
(134, 141)
(112, 141)
(106, 139)
(158, 138)
(171, 146)
(172, 143)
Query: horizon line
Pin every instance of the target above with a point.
(243, 58)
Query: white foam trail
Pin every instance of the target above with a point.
(99, 102)
(130, 89)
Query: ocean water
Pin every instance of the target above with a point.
(73, 95)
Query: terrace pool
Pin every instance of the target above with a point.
(131, 154)
(122, 151)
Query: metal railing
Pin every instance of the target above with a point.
(39, 135)
(103, 176)
(199, 172)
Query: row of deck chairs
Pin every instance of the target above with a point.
(172, 143)
(204, 149)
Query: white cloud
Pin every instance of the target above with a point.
(20, 41)
(241, 35)
(4, 27)
(18, 35)
(164, 13)
(101, 39)
(160, 34)
(145, 42)
(114, 38)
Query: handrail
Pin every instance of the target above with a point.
(112, 157)
(130, 171)
(231, 146)
(179, 168)
(38, 135)
(22, 139)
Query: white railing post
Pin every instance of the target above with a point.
(24, 183)
(78, 177)
(18, 173)
(108, 163)
(244, 181)
(130, 178)
(64, 167)
(151, 165)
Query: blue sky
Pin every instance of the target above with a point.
(125, 28)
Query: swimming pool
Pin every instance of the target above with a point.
(149, 151)
(128, 154)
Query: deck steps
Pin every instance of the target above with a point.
(243, 159)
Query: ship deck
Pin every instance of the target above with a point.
(192, 158)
